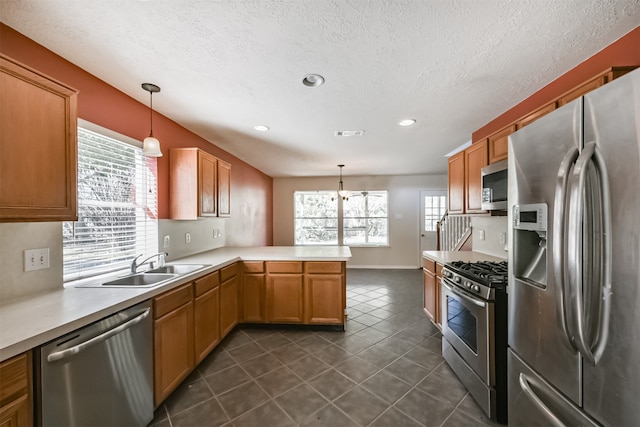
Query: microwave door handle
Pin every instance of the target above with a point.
(576, 213)
(559, 258)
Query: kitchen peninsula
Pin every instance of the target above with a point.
(31, 321)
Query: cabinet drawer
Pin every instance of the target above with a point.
(253, 266)
(284, 267)
(429, 265)
(14, 378)
(228, 272)
(322, 267)
(438, 269)
(206, 283)
(171, 300)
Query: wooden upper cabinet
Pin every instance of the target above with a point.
(535, 115)
(207, 184)
(456, 183)
(38, 146)
(601, 79)
(224, 188)
(199, 184)
(499, 144)
(476, 157)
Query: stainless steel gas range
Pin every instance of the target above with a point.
(474, 329)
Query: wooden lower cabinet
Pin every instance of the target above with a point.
(173, 340)
(16, 397)
(206, 309)
(284, 298)
(325, 299)
(252, 292)
(228, 299)
(432, 273)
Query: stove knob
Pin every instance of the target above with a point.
(476, 288)
(456, 279)
(467, 285)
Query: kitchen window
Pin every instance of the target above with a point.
(322, 218)
(316, 218)
(117, 206)
(365, 219)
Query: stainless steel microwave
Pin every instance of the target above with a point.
(494, 186)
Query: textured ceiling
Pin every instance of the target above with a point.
(226, 66)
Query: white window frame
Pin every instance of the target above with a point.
(83, 260)
(367, 217)
(299, 219)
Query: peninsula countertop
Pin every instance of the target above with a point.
(31, 321)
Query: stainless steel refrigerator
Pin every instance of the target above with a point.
(574, 262)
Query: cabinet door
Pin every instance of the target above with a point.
(173, 350)
(228, 305)
(325, 298)
(456, 183)
(38, 146)
(224, 188)
(532, 117)
(253, 298)
(15, 391)
(284, 298)
(499, 144)
(430, 294)
(207, 323)
(476, 158)
(207, 179)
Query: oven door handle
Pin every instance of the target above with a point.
(463, 296)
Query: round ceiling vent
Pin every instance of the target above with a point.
(313, 80)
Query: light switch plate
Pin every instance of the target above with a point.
(167, 241)
(481, 234)
(36, 259)
(187, 238)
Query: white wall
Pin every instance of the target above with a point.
(404, 214)
(493, 227)
(201, 232)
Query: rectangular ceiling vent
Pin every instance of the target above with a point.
(349, 132)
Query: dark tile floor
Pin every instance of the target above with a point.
(385, 370)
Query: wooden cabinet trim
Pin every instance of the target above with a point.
(171, 300)
(285, 267)
(206, 283)
(253, 266)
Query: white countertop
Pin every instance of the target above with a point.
(466, 256)
(32, 321)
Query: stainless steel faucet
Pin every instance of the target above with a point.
(160, 255)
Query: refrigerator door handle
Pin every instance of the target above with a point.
(590, 348)
(526, 388)
(559, 258)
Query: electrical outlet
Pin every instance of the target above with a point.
(187, 238)
(36, 259)
(167, 241)
(503, 238)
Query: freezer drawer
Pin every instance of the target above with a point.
(533, 402)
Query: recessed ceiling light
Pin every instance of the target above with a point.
(406, 122)
(261, 128)
(313, 80)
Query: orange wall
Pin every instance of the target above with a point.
(624, 51)
(251, 221)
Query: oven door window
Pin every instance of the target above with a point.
(462, 323)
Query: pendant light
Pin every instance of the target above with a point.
(345, 194)
(151, 145)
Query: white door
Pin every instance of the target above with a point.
(433, 204)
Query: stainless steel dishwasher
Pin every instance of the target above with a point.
(100, 375)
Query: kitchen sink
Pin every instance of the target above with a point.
(178, 269)
(141, 280)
